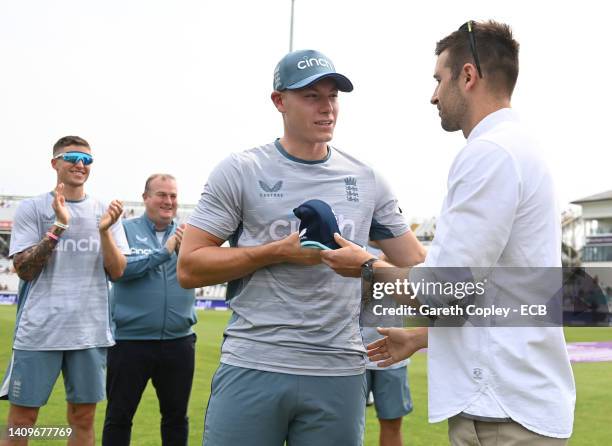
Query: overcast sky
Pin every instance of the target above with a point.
(175, 86)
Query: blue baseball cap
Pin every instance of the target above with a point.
(302, 68)
(317, 225)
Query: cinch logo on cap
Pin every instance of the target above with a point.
(303, 68)
(320, 62)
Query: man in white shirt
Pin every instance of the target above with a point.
(495, 385)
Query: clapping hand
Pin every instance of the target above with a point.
(59, 205)
(112, 214)
(174, 241)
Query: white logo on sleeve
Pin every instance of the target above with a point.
(141, 251)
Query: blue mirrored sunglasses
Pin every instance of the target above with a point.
(75, 157)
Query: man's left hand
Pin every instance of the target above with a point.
(346, 260)
(112, 214)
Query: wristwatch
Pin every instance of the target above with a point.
(367, 270)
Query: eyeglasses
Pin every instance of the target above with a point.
(75, 157)
(469, 27)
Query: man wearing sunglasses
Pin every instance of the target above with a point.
(64, 245)
(495, 385)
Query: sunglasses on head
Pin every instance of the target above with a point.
(75, 157)
(469, 27)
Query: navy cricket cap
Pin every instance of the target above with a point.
(317, 225)
(302, 68)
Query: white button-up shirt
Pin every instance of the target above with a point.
(500, 210)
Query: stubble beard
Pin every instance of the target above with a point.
(455, 113)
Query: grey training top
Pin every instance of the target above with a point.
(66, 306)
(291, 318)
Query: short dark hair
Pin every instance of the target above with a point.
(69, 141)
(496, 48)
(163, 176)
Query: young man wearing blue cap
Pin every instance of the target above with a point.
(292, 362)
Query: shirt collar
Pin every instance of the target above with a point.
(151, 225)
(492, 120)
(80, 200)
(286, 154)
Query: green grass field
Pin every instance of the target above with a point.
(593, 425)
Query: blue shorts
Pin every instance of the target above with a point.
(32, 375)
(391, 392)
(250, 407)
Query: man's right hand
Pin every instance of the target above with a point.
(59, 205)
(397, 345)
(290, 251)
